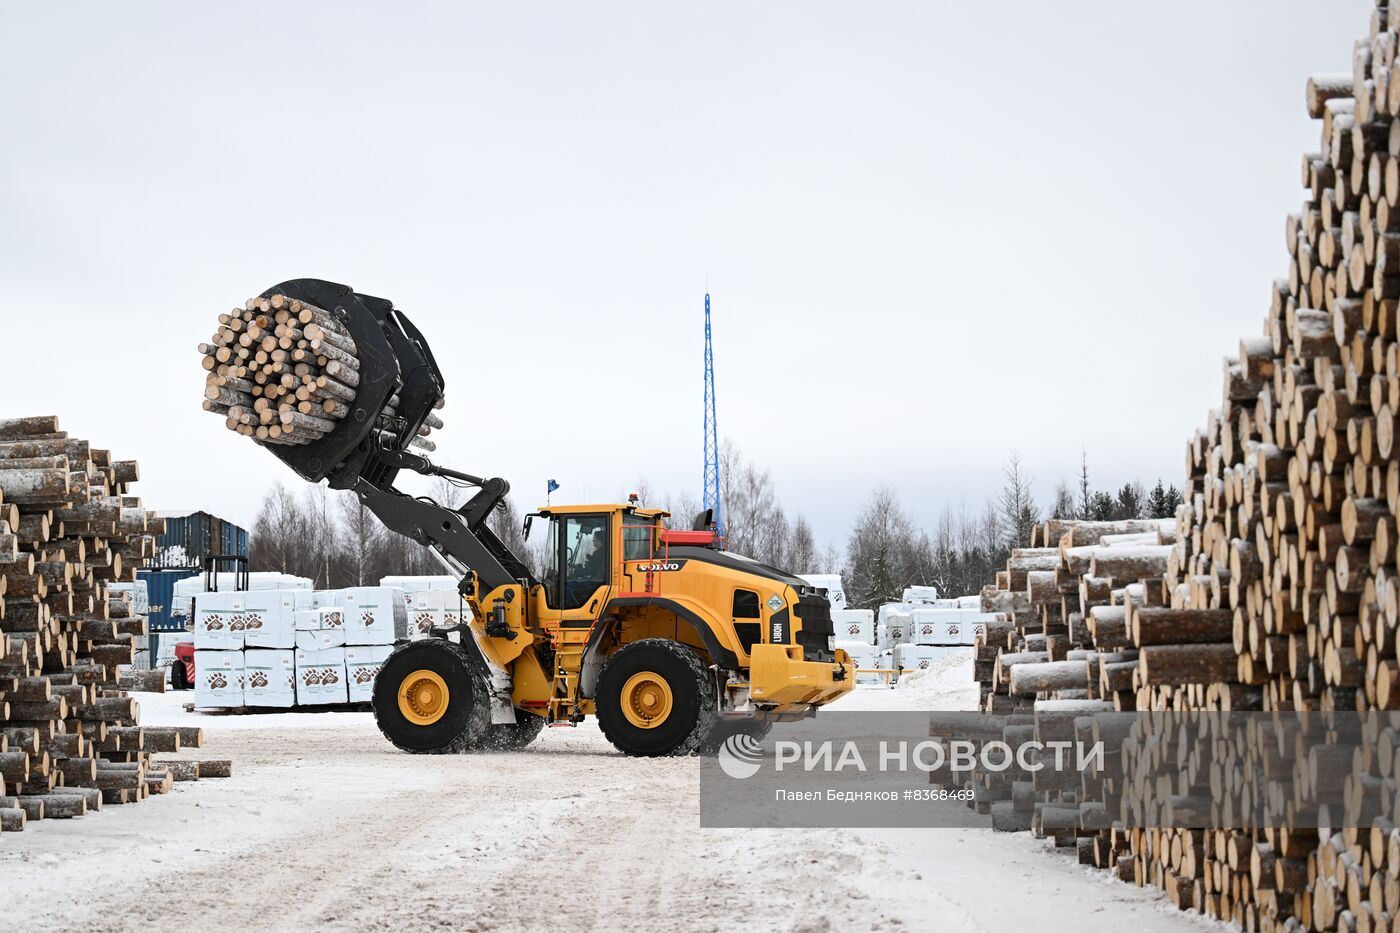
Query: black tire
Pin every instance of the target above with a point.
(694, 706)
(513, 736)
(464, 721)
(757, 729)
(179, 679)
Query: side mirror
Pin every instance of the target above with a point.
(525, 531)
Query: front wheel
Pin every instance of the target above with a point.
(654, 698)
(179, 675)
(430, 698)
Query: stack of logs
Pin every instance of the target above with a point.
(285, 372)
(1278, 587)
(69, 738)
(1097, 617)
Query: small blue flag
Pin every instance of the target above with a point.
(550, 487)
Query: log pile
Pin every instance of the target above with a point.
(1277, 588)
(281, 371)
(69, 527)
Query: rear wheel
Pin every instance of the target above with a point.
(513, 736)
(179, 676)
(430, 698)
(655, 697)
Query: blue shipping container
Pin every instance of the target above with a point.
(160, 587)
(190, 538)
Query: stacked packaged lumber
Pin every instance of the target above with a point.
(282, 371)
(69, 530)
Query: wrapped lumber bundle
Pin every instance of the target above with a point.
(70, 533)
(1278, 590)
(282, 371)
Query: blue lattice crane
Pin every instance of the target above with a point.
(711, 485)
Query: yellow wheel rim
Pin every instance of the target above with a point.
(423, 697)
(646, 700)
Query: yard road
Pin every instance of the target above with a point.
(324, 826)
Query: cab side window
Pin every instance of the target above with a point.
(637, 535)
(585, 558)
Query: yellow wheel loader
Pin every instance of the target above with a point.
(671, 641)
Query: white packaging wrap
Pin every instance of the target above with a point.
(830, 585)
(268, 618)
(269, 677)
(921, 657)
(419, 584)
(426, 610)
(321, 677)
(330, 618)
(863, 655)
(218, 680)
(854, 624)
(219, 621)
(320, 639)
(362, 663)
(374, 615)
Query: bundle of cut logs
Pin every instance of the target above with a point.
(1277, 588)
(69, 527)
(282, 371)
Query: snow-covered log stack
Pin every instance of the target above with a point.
(69, 528)
(1281, 590)
(1058, 647)
(285, 372)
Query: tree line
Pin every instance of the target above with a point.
(334, 540)
(886, 551)
(331, 538)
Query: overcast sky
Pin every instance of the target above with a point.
(934, 232)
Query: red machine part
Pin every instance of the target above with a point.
(184, 661)
(677, 537)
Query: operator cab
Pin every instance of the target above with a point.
(587, 548)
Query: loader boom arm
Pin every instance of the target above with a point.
(461, 534)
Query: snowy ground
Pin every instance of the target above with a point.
(325, 826)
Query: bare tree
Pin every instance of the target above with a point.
(448, 494)
(683, 508)
(1018, 509)
(881, 557)
(361, 538)
(279, 536)
(754, 523)
(1085, 497)
(802, 547)
(507, 524)
(1063, 506)
(322, 529)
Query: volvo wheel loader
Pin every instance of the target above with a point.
(671, 641)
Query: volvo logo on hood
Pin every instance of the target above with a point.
(660, 566)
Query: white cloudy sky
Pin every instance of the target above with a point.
(934, 231)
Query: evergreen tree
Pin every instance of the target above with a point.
(1131, 502)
